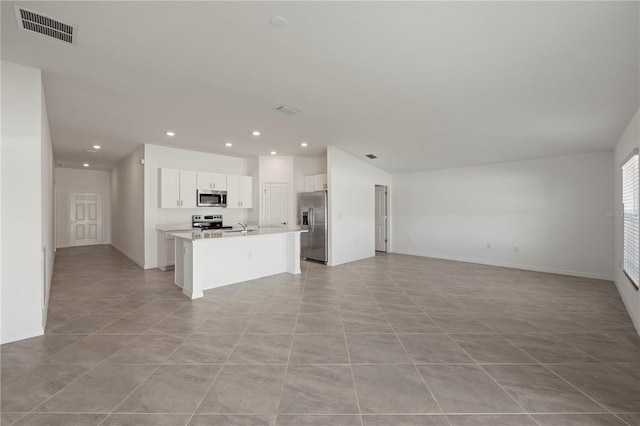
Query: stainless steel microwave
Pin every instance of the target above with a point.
(207, 198)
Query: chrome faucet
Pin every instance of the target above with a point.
(244, 226)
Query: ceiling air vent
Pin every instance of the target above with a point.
(371, 156)
(287, 110)
(45, 25)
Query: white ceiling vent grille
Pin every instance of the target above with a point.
(287, 110)
(45, 25)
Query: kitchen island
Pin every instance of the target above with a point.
(210, 259)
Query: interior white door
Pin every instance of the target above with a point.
(85, 218)
(276, 204)
(381, 218)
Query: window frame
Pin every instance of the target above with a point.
(635, 282)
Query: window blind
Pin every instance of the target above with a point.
(631, 250)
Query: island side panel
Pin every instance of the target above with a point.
(292, 255)
(178, 274)
(223, 261)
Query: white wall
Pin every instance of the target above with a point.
(127, 207)
(629, 141)
(26, 163)
(352, 206)
(158, 157)
(48, 204)
(551, 209)
(76, 180)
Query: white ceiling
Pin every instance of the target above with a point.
(420, 84)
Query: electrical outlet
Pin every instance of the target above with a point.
(515, 249)
(410, 239)
(488, 245)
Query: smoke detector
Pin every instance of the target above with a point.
(38, 23)
(287, 110)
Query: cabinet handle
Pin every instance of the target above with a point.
(178, 203)
(213, 185)
(181, 203)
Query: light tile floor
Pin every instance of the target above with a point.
(393, 340)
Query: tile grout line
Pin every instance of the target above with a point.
(129, 394)
(353, 378)
(204, 395)
(286, 369)
(414, 364)
(494, 380)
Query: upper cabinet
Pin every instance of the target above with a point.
(212, 181)
(239, 192)
(315, 183)
(177, 189)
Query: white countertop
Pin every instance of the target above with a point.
(167, 227)
(213, 234)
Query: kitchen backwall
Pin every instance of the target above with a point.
(157, 157)
(545, 214)
(76, 180)
(629, 141)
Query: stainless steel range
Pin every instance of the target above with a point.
(203, 222)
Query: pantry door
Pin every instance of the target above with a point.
(85, 219)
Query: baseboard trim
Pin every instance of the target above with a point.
(636, 322)
(21, 335)
(515, 266)
(128, 255)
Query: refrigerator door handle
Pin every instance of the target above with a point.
(311, 219)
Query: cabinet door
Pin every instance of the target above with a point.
(219, 181)
(204, 180)
(308, 183)
(320, 182)
(169, 193)
(188, 189)
(233, 192)
(246, 192)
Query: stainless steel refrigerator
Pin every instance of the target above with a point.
(313, 218)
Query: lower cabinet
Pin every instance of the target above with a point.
(166, 251)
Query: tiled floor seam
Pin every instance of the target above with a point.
(416, 368)
(204, 395)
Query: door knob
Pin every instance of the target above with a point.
(283, 223)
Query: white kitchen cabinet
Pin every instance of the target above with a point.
(239, 192)
(188, 198)
(315, 183)
(177, 189)
(320, 182)
(212, 181)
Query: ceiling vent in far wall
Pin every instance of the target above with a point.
(371, 156)
(45, 25)
(287, 110)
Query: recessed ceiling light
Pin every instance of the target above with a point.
(304, 144)
(279, 22)
(97, 147)
(273, 153)
(92, 151)
(170, 134)
(255, 133)
(86, 164)
(228, 144)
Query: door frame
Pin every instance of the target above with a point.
(386, 216)
(69, 199)
(264, 200)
